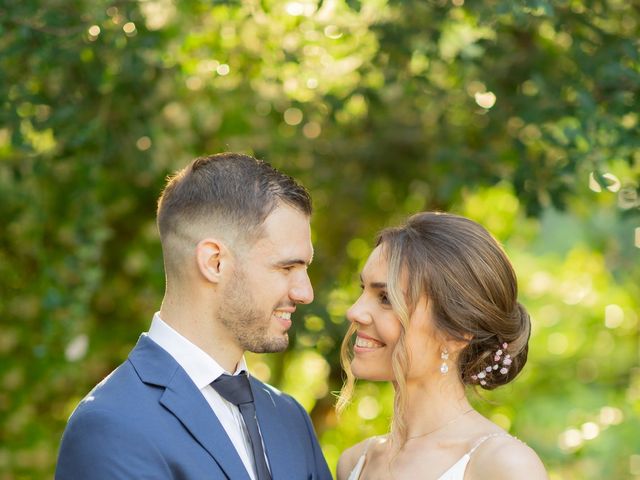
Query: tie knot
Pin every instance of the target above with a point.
(234, 388)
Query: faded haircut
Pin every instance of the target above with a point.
(226, 194)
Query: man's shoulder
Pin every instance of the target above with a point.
(107, 440)
(278, 396)
(281, 401)
(118, 391)
(105, 414)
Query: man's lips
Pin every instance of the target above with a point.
(284, 317)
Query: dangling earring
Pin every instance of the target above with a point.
(444, 355)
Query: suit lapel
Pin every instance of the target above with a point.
(275, 436)
(183, 399)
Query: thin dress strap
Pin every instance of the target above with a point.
(456, 471)
(355, 473)
(483, 439)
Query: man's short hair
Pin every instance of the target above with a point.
(227, 194)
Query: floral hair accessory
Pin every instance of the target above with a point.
(502, 361)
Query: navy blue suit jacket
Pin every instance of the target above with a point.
(148, 420)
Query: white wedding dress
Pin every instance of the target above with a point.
(455, 472)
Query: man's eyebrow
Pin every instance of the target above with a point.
(293, 261)
(377, 285)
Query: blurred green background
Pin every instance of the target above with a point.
(520, 115)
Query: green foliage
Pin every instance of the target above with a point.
(513, 113)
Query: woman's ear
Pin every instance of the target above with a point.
(455, 346)
(211, 258)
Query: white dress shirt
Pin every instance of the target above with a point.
(202, 369)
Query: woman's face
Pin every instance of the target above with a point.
(378, 328)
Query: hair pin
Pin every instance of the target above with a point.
(502, 361)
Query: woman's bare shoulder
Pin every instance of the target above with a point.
(350, 457)
(505, 457)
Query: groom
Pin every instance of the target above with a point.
(236, 245)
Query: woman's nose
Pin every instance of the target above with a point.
(357, 312)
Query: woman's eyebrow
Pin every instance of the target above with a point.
(376, 285)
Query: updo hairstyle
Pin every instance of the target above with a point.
(470, 285)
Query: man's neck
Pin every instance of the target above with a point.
(202, 329)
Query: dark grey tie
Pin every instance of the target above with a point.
(236, 389)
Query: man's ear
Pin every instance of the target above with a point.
(212, 257)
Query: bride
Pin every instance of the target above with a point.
(438, 312)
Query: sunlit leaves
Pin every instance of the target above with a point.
(494, 110)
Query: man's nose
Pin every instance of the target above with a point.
(302, 291)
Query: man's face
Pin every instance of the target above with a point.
(269, 281)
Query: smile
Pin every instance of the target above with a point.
(283, 315)
(367, 342)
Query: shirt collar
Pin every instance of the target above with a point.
(201, 368)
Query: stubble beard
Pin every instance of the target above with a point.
(250, 327)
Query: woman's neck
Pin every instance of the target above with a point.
(434, 404)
